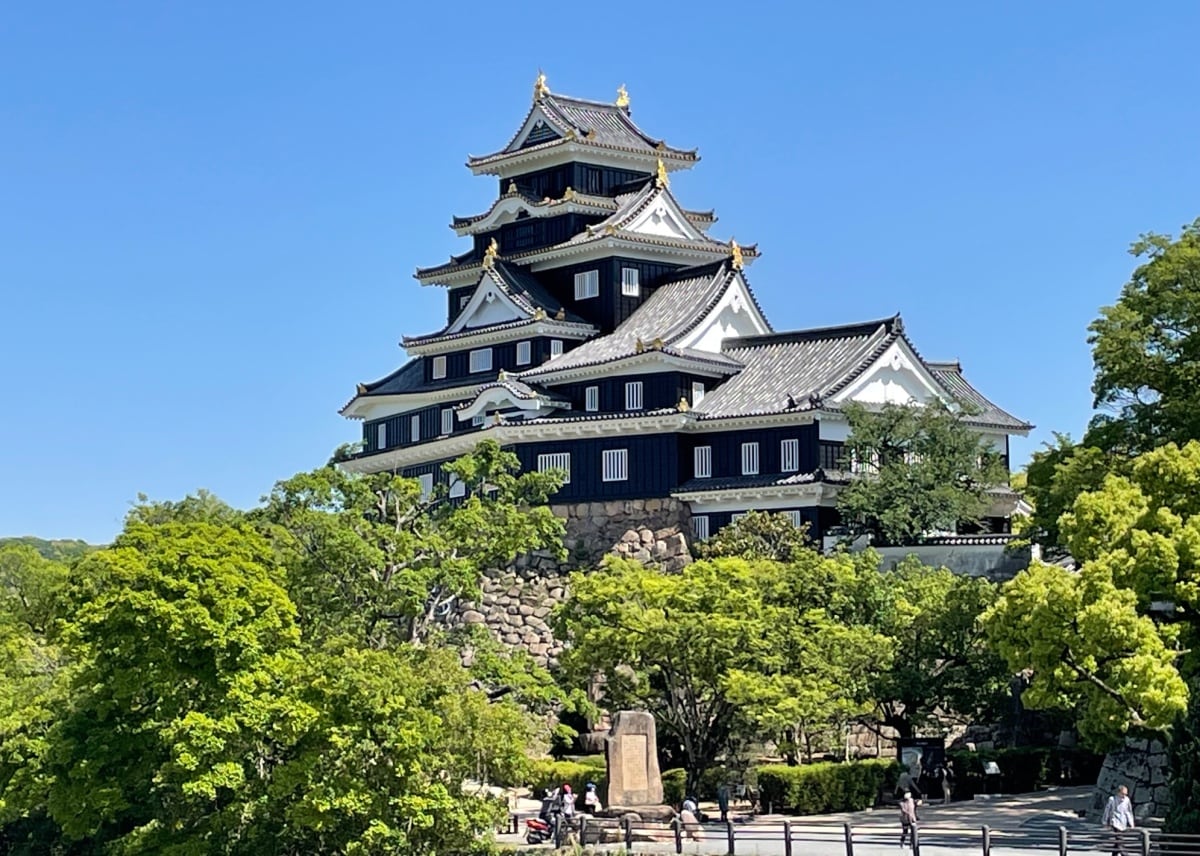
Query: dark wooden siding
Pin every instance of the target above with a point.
(582, 177)
(652, 467)
(661, 389)
(399, 427)
(504, 356)
(531, 233)
(727, 450)
(454, 297)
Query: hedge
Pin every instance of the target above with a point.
(548, 774)
(823, 788)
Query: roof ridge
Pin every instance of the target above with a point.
(843, 331)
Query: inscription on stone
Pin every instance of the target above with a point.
(633, 761)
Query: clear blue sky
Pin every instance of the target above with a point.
(211, 211)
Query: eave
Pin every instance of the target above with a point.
(814, 493)
(352, 409)
(572, 148)
(630, 363)
(427, 346)
(574, 203)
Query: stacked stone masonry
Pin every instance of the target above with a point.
(517, 601)
(1140, 765)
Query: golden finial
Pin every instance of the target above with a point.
(361, 389)
(502, 376)
(610, 229)
(568, 194)
(622, 97)
(570, 135)
(639, 346)
(539, 314)
(660, 146)
(489, 255)
(661, 179)
(512, 188)
(736, 252)
(657, 344)
(540, 89)
(683, 405)
(561, 314)
(591, 134)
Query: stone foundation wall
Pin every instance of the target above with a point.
(517, 601)
(1141, 766)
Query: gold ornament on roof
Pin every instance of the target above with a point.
(361, 389)
(610, 229)
(489, 255)
(639, 346)
(568, 194)
(736, 252)
(683, 405)
(622, 97)
(657, 344)
(661, 179)
(512, 188)
(539, 314)
(561, 314)
(591, 134)
(540, 89)
(503, 375)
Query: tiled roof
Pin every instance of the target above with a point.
(807, 365)
(950, 376)
(526, 292)
(600, 417)
(592, 122)
(767, 480)
(674, 310)
(523, 391)
(603, 203)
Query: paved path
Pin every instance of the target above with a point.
(1024, 824)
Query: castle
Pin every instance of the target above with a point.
(595, 327)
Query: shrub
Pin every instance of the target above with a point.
(547, 774)
(674, 784)
(825, 787)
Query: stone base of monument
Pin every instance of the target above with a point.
(636, 813)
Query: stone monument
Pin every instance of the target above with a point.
(634, 781)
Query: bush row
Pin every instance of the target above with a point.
(825, 787)
(547, 774)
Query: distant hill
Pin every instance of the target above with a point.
(61, 550)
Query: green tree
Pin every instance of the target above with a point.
(758, 535)
(1055, 476)
(1146, 349)
(723, 647)
(943, 666)
(371, 557)
(923, 469)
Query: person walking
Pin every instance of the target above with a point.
(1118, 817)
(946, 774)
(908, 819)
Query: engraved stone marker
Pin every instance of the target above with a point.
(632, 750)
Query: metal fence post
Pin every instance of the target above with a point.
(628, 832)
(787, 838)
(916, 840)
(729, 835)
(987, 840)
(848, 832)
(583, 830)
(1145, 841)
(1062, 841)
(675, 822)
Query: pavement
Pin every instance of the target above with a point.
(1020, 824)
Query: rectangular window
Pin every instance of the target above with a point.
(587, 284)
(448, 421)
(700, 527)
(477, 420)
(749, 459)
(458, 488)
(556, 461)
(381, 435)
(591, 398)
(633, 395)
(629, 282)
(555, 348)
(795, 518)
(697, 392)
(736, 516)
(415, 430)
(481, 360)
(426, 485)
(524, 354)
(702, 461)
(789, 456)
(615, 465)
(830, 456)
(439, 368)
(463, 301)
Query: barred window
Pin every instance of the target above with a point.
(702, 461)
(789, 456)
(587, 284)
(749, 459)
(700, 527)
(556, 461)
(633, 395)
(615, 465)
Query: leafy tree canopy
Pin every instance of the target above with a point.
(1146, 349)
(758, 535)
(925, 470)
(370, 557)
